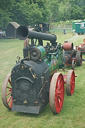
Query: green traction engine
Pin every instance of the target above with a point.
(34, 81)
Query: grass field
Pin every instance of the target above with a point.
(73, 111)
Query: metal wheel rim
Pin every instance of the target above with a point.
(81, 58)
(70, 83)
(73, 64)
(7, 92)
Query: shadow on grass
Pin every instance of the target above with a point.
(44, 112)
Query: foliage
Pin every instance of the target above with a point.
(29, 12)
(4, 18)
(64, 11)
(76, 12)
(53, 6)
(5, 12)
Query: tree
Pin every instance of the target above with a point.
(83, 12)
(53, 6)
(5, 12)
(64, 11)
(29, 12)
(76, 12)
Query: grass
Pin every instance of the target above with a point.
(73, 111)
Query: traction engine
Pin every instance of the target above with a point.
(81, 47)
(35, 81)
(71, 56)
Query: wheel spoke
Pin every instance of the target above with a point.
(73, 82)
(60, 85)
(58, 103)
(9, 99)
(9, 87)
(56, 94)
(8, 93)
(72, 88)
(60, 92)
(11, 102)
(10, 82)
(61, 97)
(72, 79)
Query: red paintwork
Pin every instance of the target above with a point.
(8, 94)
(65, 77)
(72, 83)
(68, 46)
(59, 93)
(81, 47)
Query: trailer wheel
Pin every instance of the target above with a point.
(7, 92)
(56, 93)
(70, 82)
(79, 58)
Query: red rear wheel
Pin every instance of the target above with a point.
(56, 93)
(70, 82)
(7, 92)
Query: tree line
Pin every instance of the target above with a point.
(29, 12)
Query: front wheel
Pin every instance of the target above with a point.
(56, 93)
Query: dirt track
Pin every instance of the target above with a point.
(74, 38)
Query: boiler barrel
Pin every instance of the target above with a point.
(23, 33)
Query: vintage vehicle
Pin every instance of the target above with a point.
(41, 27)
(81, 47)
(72, 56)
(2, 34)
(35, 81)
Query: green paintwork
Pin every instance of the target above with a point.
(42, 50)
(73, 25)
(80, 27)
(76, 26)
(55, 61)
